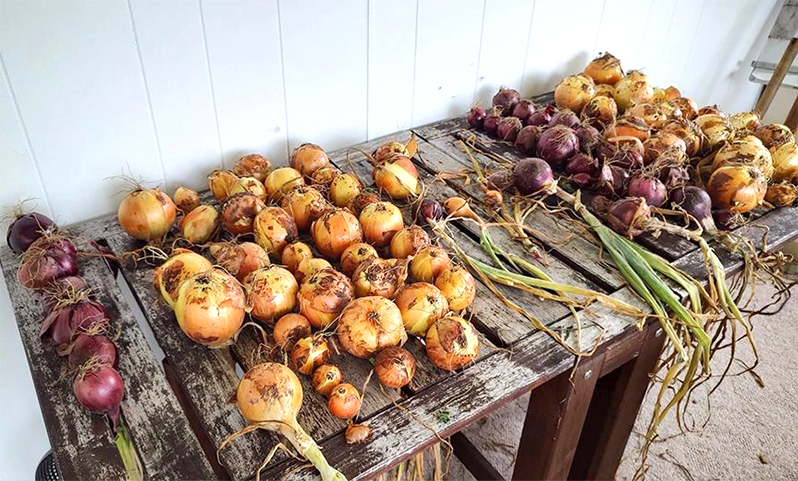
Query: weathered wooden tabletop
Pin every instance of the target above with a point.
(178, 412)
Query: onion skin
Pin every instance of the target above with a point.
(785, 162)
(87, 347)
(379, 277)
(605, 69)
(73, 317)
(629, 126)
(48, 259)
(476, 117)
(458, 286)
(689, 132)
(289, 329)
(271, 293)
(293, 255)
(502, 180)
(429, 212)
(210, 308)
(325, 378)
(281, 181)
(323, 296)
(533, 176)
(582, 163)
(452, 343)
(387, 149)
(716, 130)
(344, 188)
(100, 390)
(63, 289)
(370, 324)
(421, 304)
(523, 109)
(182, 265)
(324, 176)
(357, 433)
(361, 201)
(633, 89)
(565, 117)
(540, 117)
(506, 99)
(253, 165)
(186, 199)
(508, 128)
(274, 229)
(658, 144)
(25, 229)
(428, 263)
(309, 353)
(737, 188)
(254, 187)
(344, 401)
(397, 177)
(239, 212)
(147, 214)
(629, 216)
(239, 259)
(491, 122)
(304, 204)
(652, 114)
(380, 221)
(308, 158)
(356, 254)
(746, 150)
(687, 106)
(696, 202)
(395, 367)
(201, 224)
(309, 268)
(781, 195)
(407, 242)
(649, 188)
(749, 121)
(574, 92)
(527, 139)
(334, 231)
(600, 112)
(557, 144)
(774, 135)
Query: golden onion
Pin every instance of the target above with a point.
(186, 199)
(360, 201)
(254, 187)
(370, 324)
(324, 176)
(180, 266)
(304, 204)
(782, 194)
(395, 367)
(397, 177)
(201, 224)
(600, 111)
(253, 165)
(344, 401)
(773, 135)
(210, 308)
(785, 162)
(738, 188)
(309, 353)
(746, 150)
(289, 329)
(147, 214)
(689, 132)
(749, 121)
(428, 263)
(271, 292)
(334, 231)
(239, 212)
(280, 182)
(633, 89)
(325, 378)
(274, 229)
(660, 143)
(421, 304)
(323, 296)
(344, 188)
(452, 343)
(380, 221)
(686, 106)
(605, 69)
(308, 158)
(458, 287)
(309, 267)
(574, 92)
(293, 255)
(379, 277)
(408, 241)
(716, 129)
(223, 184)
(354, 255)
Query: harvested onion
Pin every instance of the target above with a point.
(360, 201)
(745, 121)
(356, 254)
(773, 135)
(147, 214)
(605, 69)
(574, 92)
(344, 188)
(274, 229)
(746, 150)
(782, 194)
(421, 304)
(380, 221)
(289, 329)
(428, 263)
(633, 89)
(716, 129)
(186, 200)
(179, 267)
(379, 277)
(309, 353)
(408, 241)
(310, 267)
(223, 184)
(785, 162)
(600, 111)
(458, 287)
(210, 308)
(254, 187)
(253, 165)
(452, 343)
(738, 188)
(239, 259)
(325, 378)
(308, 158)
(324, 176)
(239, 212)
(323, 296)
(293, 255)
(201, 224)
(304, 204)
(280, 182)
(397, 177)
(334, 231)
(395, 367)
(271, 292)
(369, 324)
(344, 401)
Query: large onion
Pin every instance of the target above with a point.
(356, 254)
(605, 69)
(304, 204)
(557, 144)
(749, 121)
(452, 343)
(574, 92)
(271, 292)
(281, 181)
(201, 224)
(308, 158)
(421, 304)
(689, 132)
(633, 89)
(254, 187)
(239, 211)
(147, 214)
(652, 114)
(660, 143)
(370, 324)
(182, 265)
(323, 296)
(715, 128)
(428, 263)
(210, 308)
(458, 287)
(334, 231)
(785, 162)
(379, 277)
(397, 177)
(408, 241)
(380, 221)
(360, 201)
(738, 188)
(253, 165)
(274, 229)
(746, 150)
(239, 259)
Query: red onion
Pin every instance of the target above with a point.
(85, 347)
(523, 109)
(68, 319)
(674, 177)
(25, 229)
(476, 117)
(601, 204)
(506, 99)
(556, 144)
(629, 216)
(50, 257)
(429, 210)
(726, 219)
(527, 139)
(491, 122)
(612, 180)
(696, 202)
(565, 117)
(100, 390)
(627, 157)
(62, 288)
(508, 128)
(649, 188)
(501, 180)
(582, 164)
(532, 175)
(583, 180)
(589, 138)
(541, 117)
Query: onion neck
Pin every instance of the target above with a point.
(311, 451)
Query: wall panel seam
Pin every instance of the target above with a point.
(479, 51)
(692, 42)
(285, 88)
(598, 31)
(528, 42)
(415, 67)
(210, 80)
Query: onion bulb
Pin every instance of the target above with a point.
(25, 229)
(325, 378)
(379, 277)
(508, 128)
(355, 255)
(738, 188)
(274, 229)
(357, 433)
(574, 92)
(100, 389)
(360, 201)
(344, 188)
(660, 143)
(533, 175)
(421, 304)
(49, 258)
(629, 217)
(293, 255)
(696, 202)
(323, 296)
(239, 259)
(380, 221)
(210, 308)
(186, 200)
(605, 69)
(271, 292)
(652, 114)
(429, 211)
(506, 99)
(650, 188)
(308, 158)
(716, 130)
(782, 194)
(476, 117)
(73, 314)
(281, 181)
(201, 224)
(324, 176)
(253, 165)
(458, 208)
(428, 263)
(397, 177)
(254, 187)
(687, 106)
(785, 162)
(147, 214)
(773, 135)
(600, 112)
(458, 287)
(239, 212)
(304, 204)
(629, 126)
(452, 343)
(223, 184)
(289, 329)
(749, 121)
(179, 267)
(395, 367)
(309, 353)
(689, 132)
(746, 150)
(334, 231)
(370, 324)
(633, 89)
(408, 241)
(310, 267)
(86, 346)
(385, 150)
(344, 401)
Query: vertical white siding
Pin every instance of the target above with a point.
(174, 89)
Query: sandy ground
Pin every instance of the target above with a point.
(752, 432)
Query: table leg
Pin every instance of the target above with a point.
(612, 414)
(554, 422)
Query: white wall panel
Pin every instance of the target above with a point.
(170, 41)
(505, 35)
(76, 75)
(325, 57)
(653, 44)
(447, 52)
(392, 54)
(672, 62)
(623, 25)
(247, 69)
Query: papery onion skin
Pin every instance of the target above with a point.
(281, 181)
(147, 214)
(64, 288)
(397, 177)
(508, 128)
(239, 212)
(324, 176)
(293, 255)
(746, 150)
(274, 229)
(387, 149)
(687, 106)
(541, 117)
(493, 199)
(323, 296)
(428, 263)
(253, 165)
(574, 92)
(633, 89)
(46, 260)
(506, 99)
(239, 259)
(186, 199)
(629, 217)
(782, 194)
(100, 390)
(380, 221)
(527, 139)
(304, 204)
(86, 347)
(421, 304)
(408, 241)
(356, 254)
(476, 117)
(557, 144)
(502, 180)
(533, 176)
(290, 328)
(649, 188)
(605, 69)
(458, 287)
(715, 128)
(361, 201)
(565, 117)
(309, 353)
(334, 231)
(689, 132)
(629, 126)
(600, 112)
(309, 268)
(582, 163)
(271, 292)
(696, 202)
(773, 135)
(652, 114)
(308, 158)
(379, 277)
(201, 224)
(325, 378)
(492, 119)
(523, 109)
(429, 211)
(71, 317)
(254, 187)
(785, 162)
(182, 265)
(344, 401)
(223, 184)
(25, 229)
(395, 367)
(370, 324)
(452, 343)
(344, 188)
(750, 121)
(737, 188)
(657, 144)
(210, 308)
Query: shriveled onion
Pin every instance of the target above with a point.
(334, 231)
(633, 89)
(605, 69)
(179, 267)
(421, 304)
(716, 129)
(223, 184)
(309, 353)
(210, 307)
(325, 378)
(746, 150)
(785, 162)
(395, 367)
(305, 204)
(308, 158)
(458, 287)
(323, 296)
(357, 433)
(344, 401)
(201, 224)
(310, 267)
(574, 92)
(428, 263)
(147, 214)
(239, 259)
(370, 324)
(253, 165)
(280, 182)
(239, 212)
(271, 292)
(289, 329)
(254, 187)
(186, 199)
(293, 255)
(397, 177)
(379, 277)
(407, 241)
(356, 254)
(344, 188)
(274, 229)
(452, 343)
(773, 135)
(738, 188)
(380, 221)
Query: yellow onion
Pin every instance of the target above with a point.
(458, 208)
(334, 231)
(201, 224)
(254, 187)
(186, 199)
(660, 143)
(458, 287)
(408, 241)
(633, 89)
(773, 135)
(670, 110)
(210, 307)
(605, 69)
(604, 90)
(323, 296)
(370, 324)
(452, 343)
(782, 194)
(324, 176)
(309, 353)
(574, 92)
(280, 182)
(397, 177)
(305, 204)
(239, 212)
(672, 93)
(274, 229)
(344, 188)
(745, 121)
(147, 214)
(271, 292)
(716, 129)
(421, 304)
(428, 263)
(223, 184)
(746, 150)
(344, 401)
(380, 221)
(253, 165)
(360, 201)
(239, 259)
(393, 147)
(293, 255)
(600, 111)
(379, 277)
(308, 158)
(180, 266)
(289, 329)
(652, 114)
(357, 433)
(687, 106)
(395, 367)
(738, 188)
(785, 162)
(356, 254)
(309, 267)
(629, 126)
(325, 378)
(689, 132)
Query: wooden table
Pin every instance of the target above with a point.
(178, 412)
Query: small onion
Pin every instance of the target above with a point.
(324, 176)
(523, 109)
(428, 263)
(687, 131)
(458, 287)
(452, 343)
(508, 128)
(239, 259)
(147, 214)
(186, 200)
(357, 433)
(397, 177)
(360, 201)
(254, 187)
(533, 176)
(407, 242)
(557, 144)
(633, 89)
(210, 308)
(271, 292)
(773, 135)
(421, 304)
(310, 267)
(782, 194)
(527, 139)
(323, 296)
(738, 188)
(395, 367)
(281, 181)
(502, 180)
(289, 329)
(334, 231)
(370, 324)
(716, 130)
(379, 277)
(506, 99)
(304, 204)
(605, 69)
(309, 353)
(380, 221)
(492, 120)
(274, 229)
(600, 112)
(686, 106)
(649, 188)
(25, 229)
(344, 188)
(785, 162)
(629, 217)
(325, 378)
(429, 211)
(541, 117)
(74, 314)
(253, 165)
(574, 92)
(476, 117)
(223, 184)
(356, 254)
(293, 255)
(344, 401)
(182, 265)
(239, 212)
(308, 158)
(565, 117)
(201, 224)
